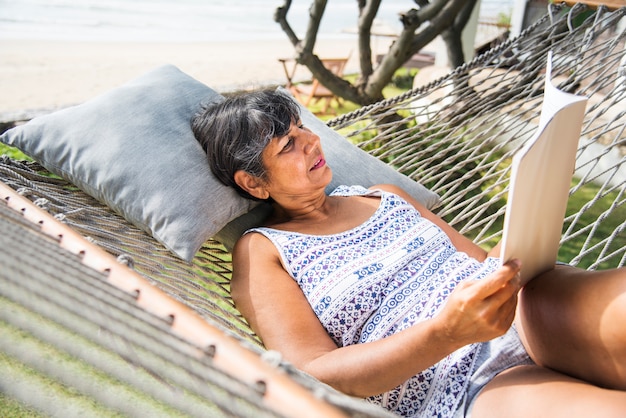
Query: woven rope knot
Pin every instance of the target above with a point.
(126, 260)
(42, 203)
(272, 357)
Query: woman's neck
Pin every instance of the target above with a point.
(336, 214)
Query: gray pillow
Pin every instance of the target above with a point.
(133, 149)
(350, 165)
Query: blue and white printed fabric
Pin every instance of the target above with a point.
(395, 270)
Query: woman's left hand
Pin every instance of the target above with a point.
(480, 310)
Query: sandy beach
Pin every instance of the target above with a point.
(53, 74)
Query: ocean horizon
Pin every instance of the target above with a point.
(186, 20)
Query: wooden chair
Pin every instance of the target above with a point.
(307, 93)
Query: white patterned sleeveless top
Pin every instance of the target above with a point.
(379, 278)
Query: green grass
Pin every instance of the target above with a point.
(572, 247)
(580, 199)
(14, 153)
(10, 408)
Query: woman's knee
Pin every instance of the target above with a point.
(570, 321)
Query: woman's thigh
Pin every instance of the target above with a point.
(534, 391)
(572, 320)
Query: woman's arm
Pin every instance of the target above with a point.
(280, 314)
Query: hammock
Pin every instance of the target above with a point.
(471, 122)
(95, 350)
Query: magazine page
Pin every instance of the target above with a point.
(541, 174)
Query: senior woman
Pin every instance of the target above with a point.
(372, 293)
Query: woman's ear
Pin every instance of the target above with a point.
(251, 184)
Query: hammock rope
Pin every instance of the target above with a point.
(456, 135)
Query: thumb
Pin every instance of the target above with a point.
(500, 278)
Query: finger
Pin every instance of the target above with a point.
(507, 310)
(500, 278)
(504, 295)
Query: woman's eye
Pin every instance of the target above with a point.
(288, 144)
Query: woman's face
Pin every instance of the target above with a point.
(295, 163)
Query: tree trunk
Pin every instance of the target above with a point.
(421, 26)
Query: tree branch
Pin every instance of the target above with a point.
(280, 17)
(447, 17)
(443, 20)
(454, 34)
(429, 9)
(367, 12)
(315, 17)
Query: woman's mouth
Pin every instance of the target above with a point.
(319, 163)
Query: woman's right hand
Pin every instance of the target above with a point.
(480, 310)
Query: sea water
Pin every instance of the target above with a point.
(187, 20)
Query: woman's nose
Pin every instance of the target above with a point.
(311, 142)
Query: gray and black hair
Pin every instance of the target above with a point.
(234, 132)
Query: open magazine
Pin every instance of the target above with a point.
(541, 174)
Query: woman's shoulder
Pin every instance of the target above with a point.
(400, 192)
(254, 243)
